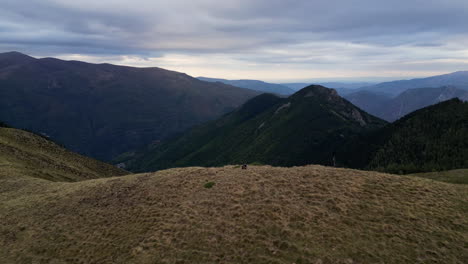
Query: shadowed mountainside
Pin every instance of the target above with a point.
(434, 138)
(313, 126)
(305, 128)
(103, 110)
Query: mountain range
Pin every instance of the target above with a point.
(458, 79)
(385, 89)
(254, 85)
(103, 110)
(305, 128)
(335, 85)
(89, 107)
(317, 126)
(391, 109)
(143, 117)
(57, 206)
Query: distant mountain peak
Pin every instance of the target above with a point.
(318, 92)
(14, 55)
(14, 58)
(338, 105)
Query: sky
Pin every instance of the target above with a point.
(271, 40)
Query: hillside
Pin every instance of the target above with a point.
(254, 85)
(459, 176)
(103, 110)
(458, 79)
(25, 154)
(306, 128)
(263, 214)
(391, 109)
(434, 138)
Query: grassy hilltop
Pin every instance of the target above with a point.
(309, 214)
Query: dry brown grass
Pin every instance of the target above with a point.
(310, 214)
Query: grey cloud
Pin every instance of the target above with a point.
(248, 30)
(383, 23)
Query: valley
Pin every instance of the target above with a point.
(392, 109)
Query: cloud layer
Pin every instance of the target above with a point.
(262, 39)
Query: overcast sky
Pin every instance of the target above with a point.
(272, 40)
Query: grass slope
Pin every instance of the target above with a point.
(310, 214)
(452, 176)
(27, 154)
